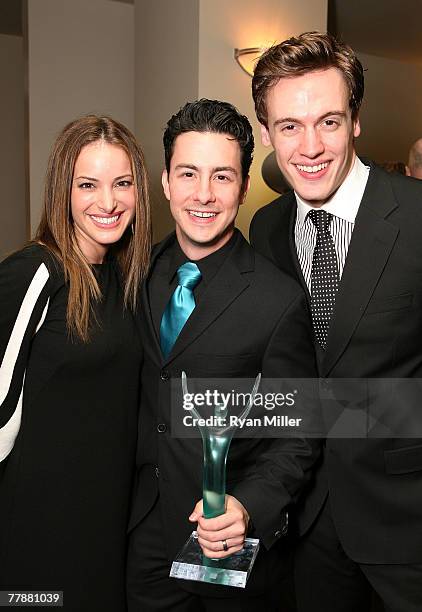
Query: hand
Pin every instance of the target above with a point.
(230, 527)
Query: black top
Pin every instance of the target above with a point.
(65, 487)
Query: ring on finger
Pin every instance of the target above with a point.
(225, 545)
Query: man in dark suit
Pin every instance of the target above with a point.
(352, 235)
(248, 318)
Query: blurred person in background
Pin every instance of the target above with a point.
(393, 166)
(414, 165)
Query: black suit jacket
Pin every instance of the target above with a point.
(376, 331)
(251, 318)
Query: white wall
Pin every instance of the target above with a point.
(391, 117)
(225, 25)
(80, 61)
(12, 158)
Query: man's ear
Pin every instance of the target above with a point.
(245, 189)
(356, 128)
(165, 183)
(265, 136)
(408, 171)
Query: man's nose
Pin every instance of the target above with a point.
(311, 144)
(204, 193)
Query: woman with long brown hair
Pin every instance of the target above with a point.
(70, 359)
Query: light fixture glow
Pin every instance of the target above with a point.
(246, 58)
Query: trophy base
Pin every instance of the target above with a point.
(191, 564)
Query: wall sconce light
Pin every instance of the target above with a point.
(246, 58)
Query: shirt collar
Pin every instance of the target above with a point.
(346, 200)
(208, 265)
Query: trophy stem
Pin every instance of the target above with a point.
(216, 449)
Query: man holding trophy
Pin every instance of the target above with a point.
(211, 306)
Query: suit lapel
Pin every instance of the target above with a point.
(224, 288)
(282, 240)
(147, 323)
(372, 241)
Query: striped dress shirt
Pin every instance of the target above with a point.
(343, 207)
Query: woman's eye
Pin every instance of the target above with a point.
(86, 185)
(126, 183)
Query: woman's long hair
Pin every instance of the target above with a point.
(56, 229)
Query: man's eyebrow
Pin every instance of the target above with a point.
(225, 169)
(336, 113)
(190, 166)
(216, 169)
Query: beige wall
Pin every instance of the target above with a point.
(184, 51)
(84, 57)
(80, 61)
(391, 117)
(166, 68)
(12, 165)
(225, 25)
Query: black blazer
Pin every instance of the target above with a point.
(251, 318)
(376, 331)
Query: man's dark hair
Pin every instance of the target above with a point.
(302, 54)
(215, 117)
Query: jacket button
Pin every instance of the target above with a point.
(157, 471)
(161, 427)
(326, 384)
(284, 530)
(277, 534)
(165, 375)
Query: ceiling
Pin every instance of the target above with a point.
(387, 28)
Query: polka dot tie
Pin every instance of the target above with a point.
(324, 276)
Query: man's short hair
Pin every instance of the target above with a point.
(215, 117)
(302, 54)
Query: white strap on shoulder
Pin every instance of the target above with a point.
(10, 430)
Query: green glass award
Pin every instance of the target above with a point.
(191, 563)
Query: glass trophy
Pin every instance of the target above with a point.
(191, 563)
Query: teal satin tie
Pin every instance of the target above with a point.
(180, 306)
